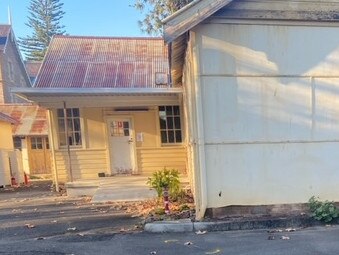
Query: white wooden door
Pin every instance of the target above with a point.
(121, 146)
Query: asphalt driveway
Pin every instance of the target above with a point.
(37, 213)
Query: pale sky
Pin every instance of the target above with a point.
(83, 17)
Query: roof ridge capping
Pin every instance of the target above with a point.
(109, 37)
(190, 16)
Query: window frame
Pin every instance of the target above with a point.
(71, 118)
(174, 129)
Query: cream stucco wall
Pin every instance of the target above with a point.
(6, 140)
(269, 100)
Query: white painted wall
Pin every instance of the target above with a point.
(270, 96)
(5, 175)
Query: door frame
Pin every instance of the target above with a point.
(46, 154)
(132, 134)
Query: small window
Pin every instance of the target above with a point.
(47, 143)
(36, 143)
(17, 143)
(170, 124)
(72, 122)
(119, 128)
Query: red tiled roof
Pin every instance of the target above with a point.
(30, 119)
(4, 33)
(103, 62)
(6, 118)
(32, 68)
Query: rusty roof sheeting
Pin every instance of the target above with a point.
(103, 62)
(33, 68)
(6, 118)
(31, 120)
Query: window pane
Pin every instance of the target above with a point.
(62, 139)
(77, 125)
(162, 124)
(61, 125)
(76, 112)
(17, 143)
(171, 137)
(77, 137)
(69, 112)
(178, 137)
(177, 124)
(126, 132)
(70, 125)
(47, 144)
(39, 143)
(33, 144)
(60, 113)
(176, 110)
(163, 136)
(169, 110)
(170, 124)
(126, 124)
(161, 108)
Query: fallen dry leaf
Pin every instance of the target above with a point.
(72, 229)
(153, 252)
(213, 252)
(290, 230)
(171, 241)
(275, 231)
(188, 243)
(201, 232)
(30, 225)
(285, 238)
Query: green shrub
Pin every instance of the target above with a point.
(323, 211)
(165, 179)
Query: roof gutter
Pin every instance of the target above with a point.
(177, 13)
(89, 91)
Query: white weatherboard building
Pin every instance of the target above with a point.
(261, 95)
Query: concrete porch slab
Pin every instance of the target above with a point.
(112, 189)
(115, 189)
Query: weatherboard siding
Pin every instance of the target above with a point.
(154, 159)
(86, 164)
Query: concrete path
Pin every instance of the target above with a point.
(112, 189)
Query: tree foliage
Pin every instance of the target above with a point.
(155, 11)
(44, 20)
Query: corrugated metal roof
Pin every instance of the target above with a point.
(6, 118)
(103, 62)
(4, 33)
(30, 119)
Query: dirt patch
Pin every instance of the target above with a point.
(154, 209)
